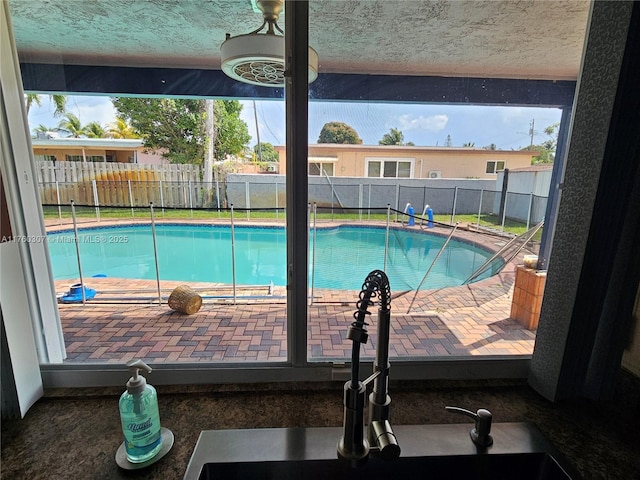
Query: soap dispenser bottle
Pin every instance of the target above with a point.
(140, 416)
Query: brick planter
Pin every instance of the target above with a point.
(527, 296)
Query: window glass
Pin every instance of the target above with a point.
(314, 168)
(390, 169)
(374, 169)
(327, 169)
(404, 169)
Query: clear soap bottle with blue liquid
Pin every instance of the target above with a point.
(140, 416)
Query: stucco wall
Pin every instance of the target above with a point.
(351, 160)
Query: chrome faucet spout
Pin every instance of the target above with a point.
(353, 445)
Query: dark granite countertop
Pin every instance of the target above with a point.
(75, 433)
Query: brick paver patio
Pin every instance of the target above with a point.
(451, 322)
(459, 321)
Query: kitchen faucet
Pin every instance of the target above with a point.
(353, 445)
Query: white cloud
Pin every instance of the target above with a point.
(432, 123)
(99, 109)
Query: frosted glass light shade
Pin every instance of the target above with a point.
(258, 59)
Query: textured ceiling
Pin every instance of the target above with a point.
(538, 39)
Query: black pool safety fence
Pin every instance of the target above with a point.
(385, 218)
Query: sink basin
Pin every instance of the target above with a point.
(519, 451)
(526, 466)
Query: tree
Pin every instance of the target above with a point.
(42, 129)
(178, 126)
(547, 148)
(71, 125)
(491, 146)
(173, 125)
(94, 130)
(232, 133)
(394, 137)
(468, 145)
(267, 152)
(120, 129)
(338, 132)
(59, 101)
(448, 142)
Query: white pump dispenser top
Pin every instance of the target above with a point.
(137, 383)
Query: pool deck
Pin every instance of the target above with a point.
(461, 321)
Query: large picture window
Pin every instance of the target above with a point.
(247, 315)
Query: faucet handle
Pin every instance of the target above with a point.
(481, 433)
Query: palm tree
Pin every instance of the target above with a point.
(71, 124)
(94, 130)
(468, 145)
(42, 128)
(121, 129)
(394, 137)
(60, 102)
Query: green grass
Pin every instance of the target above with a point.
(490, 221)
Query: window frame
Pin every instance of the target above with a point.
(388, 160)
(495, 168)
(321, 162)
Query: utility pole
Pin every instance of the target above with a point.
(531, 132)
(209, 150)
(255, 116)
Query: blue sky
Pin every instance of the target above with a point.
(424, 125)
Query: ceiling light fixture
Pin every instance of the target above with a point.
(258, 58)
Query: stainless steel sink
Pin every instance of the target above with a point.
(519, 452)
(525, 466)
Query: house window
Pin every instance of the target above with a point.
(73, 158)
(494, 166)
(321, 169)
(48, 158)
(389, 168)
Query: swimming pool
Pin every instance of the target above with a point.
(344, 255)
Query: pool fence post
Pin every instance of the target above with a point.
(332, 203)
(59, 205)
(218, 196)
(313, 264)
(480, 206)
(397, 200)
(504, 211)
(386, 238)
(455, 200)
(190, 199)
(369, 205)
(247, 199)
(277, 213)
(161, 197)
(360, 192)
(75, 236)
(96, 201)
(233, 255)
(155, 251)
(530, 208)
(130, 198)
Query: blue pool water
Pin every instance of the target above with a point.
(202, 253)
